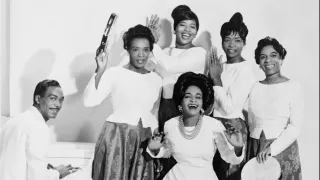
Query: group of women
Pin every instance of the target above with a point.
(184, 119)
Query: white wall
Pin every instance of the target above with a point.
(57, 39)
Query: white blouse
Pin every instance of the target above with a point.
(237, 80)
(24, 145)
(194, 157)
(172, 62)
(133, 95)
(277, 110)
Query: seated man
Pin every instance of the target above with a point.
(24, 139)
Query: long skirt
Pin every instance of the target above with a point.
(120, 153)
(224, 170)
(167, 110)
(289, 159)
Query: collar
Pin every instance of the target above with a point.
(36, 114)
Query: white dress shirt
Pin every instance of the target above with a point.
(24, 144)
(277, 110)
(172, 62)
(237, 80)
(133, 95)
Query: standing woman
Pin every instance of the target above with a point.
(135, 98)
(171, 62)
(232, 82)
(275, 112)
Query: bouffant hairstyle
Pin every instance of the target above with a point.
(192, 79)
(235, 25)
(138, 31)
(42, 88)
(181, 13)
(267, 41)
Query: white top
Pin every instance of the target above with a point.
(276, 109)
(237, 80)
(133, 95)
(172, 62)
(194, 157)
(24, 145)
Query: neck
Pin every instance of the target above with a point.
(138, 70)
(191, 120)
(273, 78)
(184, 46)
(236, 59)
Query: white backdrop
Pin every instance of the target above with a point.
(58, 38)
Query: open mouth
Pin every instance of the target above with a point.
(55, 110)
(140, 61)
(231, 51)
(193, 106)
(185, 36)
(269, 66)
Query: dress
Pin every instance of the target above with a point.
(275, 118)
(194, 157)
(135, 99)
(229, 101)
(24, 145)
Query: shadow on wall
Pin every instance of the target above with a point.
(75, 122)
(166, 34)
(36, 69)
(203, 40)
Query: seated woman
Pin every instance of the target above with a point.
(275, 112)
(193, 138)
(135, 95)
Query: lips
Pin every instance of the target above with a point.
(54, 110)
(269, 66)
(193, 106)
(140, 61)
(185, 36)
(231, 51)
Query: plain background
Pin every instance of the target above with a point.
(57, 39)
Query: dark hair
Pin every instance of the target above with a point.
(235, 25)
(138, 31)
(183, 12)
(266, 42)
(42, 87)
(192, 79)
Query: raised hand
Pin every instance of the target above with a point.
(155, 142)
(155, 27)
(263, 155)
(64, 170)
(102, 59)
(215, 65)
(234, 137)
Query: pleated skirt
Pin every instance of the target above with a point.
(120, 153)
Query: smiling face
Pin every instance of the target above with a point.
(232, 45)
(192, 101)
(185, 31)
(50, 104)
(139, 52)
(270, 61)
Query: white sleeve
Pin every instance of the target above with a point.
(185, 62)
(93, 96)
(226, 149)
(290, 134)
(236, 95)
(36, 151)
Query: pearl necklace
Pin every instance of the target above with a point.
(189, 134)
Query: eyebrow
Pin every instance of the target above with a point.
(55, 96)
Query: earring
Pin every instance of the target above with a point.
(180, 109)
(174, 32)
(202, 111)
